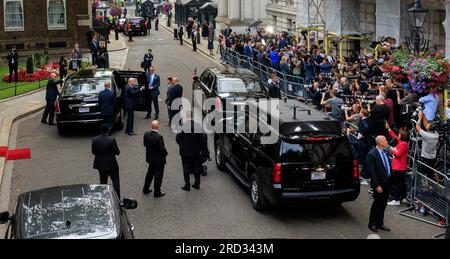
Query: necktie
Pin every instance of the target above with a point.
(386, 163)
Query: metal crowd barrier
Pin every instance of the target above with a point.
(291, 86)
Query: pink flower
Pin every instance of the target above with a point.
(441, 51)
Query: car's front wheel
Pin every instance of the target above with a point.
(258, 201)
(220, 160)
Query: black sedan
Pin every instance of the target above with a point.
(78, 103)
(137, 24)
(70, 212)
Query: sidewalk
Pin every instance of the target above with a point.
(202, 47)
(116, 45)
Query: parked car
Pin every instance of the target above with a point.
(70, 212)
(78, 103)
(230, 85)
(310, 158)
(138, 26)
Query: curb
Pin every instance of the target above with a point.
(190, 44)
(6, 130)
(122, 47)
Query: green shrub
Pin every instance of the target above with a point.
(37, 60)
(30, 65)
(45, 58)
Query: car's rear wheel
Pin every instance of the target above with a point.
(258, 201)
(220, 160)
(145, 33)
(62, 130)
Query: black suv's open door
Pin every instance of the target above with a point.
(122, 77)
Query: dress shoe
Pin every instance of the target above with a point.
(195, 186)
(373, 229)
(384, 228)
(146, 192)
(43, 122)
(186, 188)
(132, 134)
(159, 195)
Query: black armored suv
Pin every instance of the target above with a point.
(309, 159)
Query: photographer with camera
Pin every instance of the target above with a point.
(335, 102)
(430, 138)
(379, 115)
(407, 104)
(430, 103)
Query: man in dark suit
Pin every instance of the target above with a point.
(379, 169)
(156, 158)
(190, 143)
(93, 46)
(227, 32)
(108, 105)
(274, 88)
(148, 60)
(180, 33)
(50, 97)
(175, 92)
(379, 117)
(105, 150)
(131, 94)
(13, 63)
(152, 92)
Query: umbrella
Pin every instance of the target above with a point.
(255, 24)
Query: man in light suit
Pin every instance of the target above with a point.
(105, 150)
(379, 169)
(51, 95)
(108, 105)
(156, 154)
(131, 95)
(152, 92)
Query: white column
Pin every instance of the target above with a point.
(388, 19)
(223, 8)
(333, 11)
(446, 24)
(302, 12)
(234, 9)
(246, 10)
(256, 6)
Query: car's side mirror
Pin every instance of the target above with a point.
(129, 204)
(195, 78)
(4, 217)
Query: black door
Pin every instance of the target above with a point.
(123, 76)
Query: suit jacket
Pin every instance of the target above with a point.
(156, 150)
(176, 91)
(155, 84)
(130, 97)
(79, 53)
(376, 171)
(105, 150)
(148, 59)
(190, 143)
(13, 59)
(274, 91)
(94, 45)
(52, 90)
(108, 102)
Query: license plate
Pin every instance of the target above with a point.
(83, 110)
(316, 176)
(138, 26)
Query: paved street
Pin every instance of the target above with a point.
(221, 209)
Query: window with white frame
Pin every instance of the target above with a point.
(56, 14)
(13, 15)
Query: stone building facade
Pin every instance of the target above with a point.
(40, 24)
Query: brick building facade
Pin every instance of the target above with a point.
(44, 24)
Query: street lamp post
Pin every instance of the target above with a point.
(417, 15)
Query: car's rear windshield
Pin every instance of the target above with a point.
(85, 86)
(315, 152)
(239, 85)
(136, 21)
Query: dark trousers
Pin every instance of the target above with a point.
(194, 43)
(130, 121)
(109, 120)
(379, 205)
(157, 172)
(180, 36)
(175, 34)
(425, 170)
(398, 189)
(49, 112)
(13, 68)
(94, 58)
(191, 165)
(114, 175)
(153, 100)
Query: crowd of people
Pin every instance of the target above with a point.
(356, 90)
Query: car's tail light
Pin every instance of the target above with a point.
(355, 169)
(218, 105)
(57, 106)
(276, 174)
